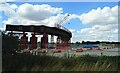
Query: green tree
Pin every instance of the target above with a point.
(9, 44)
(77, 42)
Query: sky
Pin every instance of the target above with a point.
(88, 21)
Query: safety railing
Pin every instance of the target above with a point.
(61, 27)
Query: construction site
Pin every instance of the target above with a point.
(62, 42)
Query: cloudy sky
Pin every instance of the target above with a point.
(88, 21)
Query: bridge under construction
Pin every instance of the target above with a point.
(63, 36)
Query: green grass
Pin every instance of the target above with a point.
(25, 62)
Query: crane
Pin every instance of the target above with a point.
(58, 25)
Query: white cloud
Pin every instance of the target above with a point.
(85, 30)
(103, 21)
(115, 31)
(14, 6)
(2, 1)
(54, 19)
(59, 19)
(10, 0)
(2, 29)
(97, 34)
(89, 34)
(29, 14)
(37, 12)
(104, 24)
(72, 30)
(100, 16)
(100, 28)
(5, 1)
(8, 11)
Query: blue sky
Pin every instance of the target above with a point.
(77, 8)
(72, 8)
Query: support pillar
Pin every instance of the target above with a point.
(11, 33)
(33, 42)
(58, 45)
(58, 40)
(24, 41)
(65, 43)
(44, 41)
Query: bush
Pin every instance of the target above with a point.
(9, 44)
(29, 62)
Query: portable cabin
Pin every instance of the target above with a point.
(96, 47)
(88, 47)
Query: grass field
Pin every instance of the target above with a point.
(27, 62)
